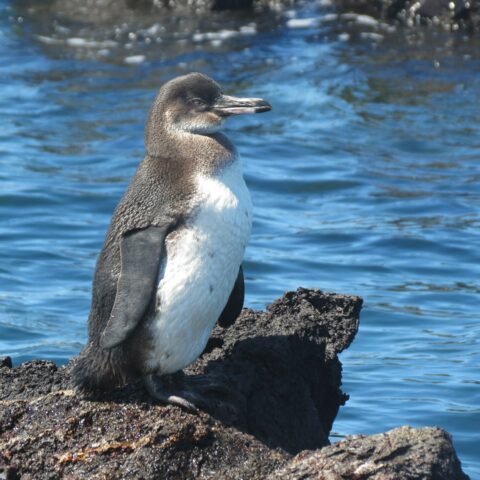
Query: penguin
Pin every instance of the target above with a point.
(171, 262)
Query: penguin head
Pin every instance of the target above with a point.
(195, 104)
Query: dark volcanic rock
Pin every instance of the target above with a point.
(279, 394)
(451, 15)
(106, 12)
(282, 368)
(5, 362)
(30, 379)
(279, 377)
(402, 453)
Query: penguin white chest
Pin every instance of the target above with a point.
(200, 268)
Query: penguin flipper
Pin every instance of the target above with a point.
(235, 302)
(140, 253)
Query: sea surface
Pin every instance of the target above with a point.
(365, 179)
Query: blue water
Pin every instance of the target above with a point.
(365, 180)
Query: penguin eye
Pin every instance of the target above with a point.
(198, 102)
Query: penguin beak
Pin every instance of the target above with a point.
(226, 106)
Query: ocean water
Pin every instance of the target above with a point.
(365, 180)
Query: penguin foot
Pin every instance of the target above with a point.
(185, 392)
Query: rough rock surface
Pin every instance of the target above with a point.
(402, 453)
(280, 378)
(280, 393)
(105, 12)
(448, 14)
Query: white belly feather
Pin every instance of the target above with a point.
(200, 269)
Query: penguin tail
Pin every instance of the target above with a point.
(98, 370)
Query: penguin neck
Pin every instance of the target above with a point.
(206, 153)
